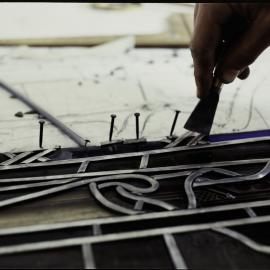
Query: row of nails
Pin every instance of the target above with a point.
(113, 116)
(137, 115)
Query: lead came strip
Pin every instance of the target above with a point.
(244, 240)
(43, 159)
(250, 212)
(148, 216)
(144, 161)
(16, 158)
(154, 169)
(195, 140)
(88, 256)
(96, 229)
(81, 169)
(37, 156)
(53, 244)
(83, 166)
(150, 152)
(179, 139)
(87, 251)
(188, 183)
(30, 196)
(9, 155)
(175, 254)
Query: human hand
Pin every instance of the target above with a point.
(245, 27)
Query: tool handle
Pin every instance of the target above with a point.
(217, 84)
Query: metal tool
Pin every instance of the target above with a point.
(46, 115)
(201, 119)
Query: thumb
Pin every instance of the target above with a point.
(243, 51)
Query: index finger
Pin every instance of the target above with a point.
(206, 37)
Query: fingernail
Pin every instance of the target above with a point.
(228, 76)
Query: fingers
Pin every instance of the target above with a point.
(206, 37)
(244, 51)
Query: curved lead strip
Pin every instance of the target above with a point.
(155, 202)
(122, 188)
(244, 240)
(46, 192)
(153, 184)
(115, 207)
(59, 182)
(257, 176)
(192, 202)
(192, 178)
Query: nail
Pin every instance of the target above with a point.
(174, 121)
(137, 115)
(41, 125)
(113, 116)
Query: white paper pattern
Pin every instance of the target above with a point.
(83, 86)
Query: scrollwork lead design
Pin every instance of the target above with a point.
(131, 192)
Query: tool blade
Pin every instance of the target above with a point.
(202, 118)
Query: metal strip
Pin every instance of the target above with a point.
(45, 183)
(16, 158)
(9, 155)
(147, 170)
(112, 220)
(145, 200)
(43, 159)
(190, 180)
(171, 175)
(97, 229)
(250, 212)
(88, 256)
(135, 154)
(252, 177)
(128, 235)
(83, 166)
(58, 124)
(153, 183)
(175, 253)
(195, 140)
(108, 204)
(33, 185)
(244, 240)
(139, 205)
(89, 260)
(179, 139)
(37, 156)
(144, 161)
